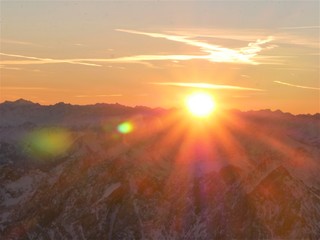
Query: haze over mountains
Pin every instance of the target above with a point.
(68, 172)
(22, 111)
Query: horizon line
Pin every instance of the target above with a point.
(154, 108)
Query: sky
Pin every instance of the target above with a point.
(249, 55)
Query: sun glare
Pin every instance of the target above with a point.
(200, 104)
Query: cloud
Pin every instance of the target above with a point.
(19, 69)
(251, 35)
(35, 88)
(100, 95)
(213, 53)
(241, 96)
(109, 95)
(25, 88)
(79, 61)
(37, 60)
(207, 51)
(300, 27)
(118, 67)
(255, 42)
(297, 69)
(243, 35)
(206, 86)
(9, 41)
(10, 68)
(78, 44)
(297, 86)
(245, 76)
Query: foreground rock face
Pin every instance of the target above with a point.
(240, 176)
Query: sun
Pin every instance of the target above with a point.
(200, 104)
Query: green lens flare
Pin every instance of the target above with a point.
(125, 127)
(48, 142)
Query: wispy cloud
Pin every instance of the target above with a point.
(25, 88)
(10, 68)
(118, 67)
(78, 44)
(19, 69)
(206, 86)
(37, 60)
(9, 41)
(207, 51)
(80, 61)
(34, 88)
(213, 53)
(297, 86)
(251, 35)
(300, 27)
(297, 69)
(142, 95)
(99, 95)
(240, 96)
(245, 76)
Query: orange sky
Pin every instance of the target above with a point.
(249, 55)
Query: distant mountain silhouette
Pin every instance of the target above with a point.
(19, 102)
(20, 111)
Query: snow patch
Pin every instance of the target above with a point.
(107, 192)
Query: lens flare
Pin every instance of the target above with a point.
(125, 127)
(48, 142)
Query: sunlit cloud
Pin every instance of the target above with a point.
(78, 44)
(117, 67)
(296, 39)
(250, 35)
(19, 69)
(256, 42)
(99, 95)
(297, 86)
(11, 68)
(37, 60)
(79, 61)
(9, 41)
(206, 86)
(213, 53)
(300, 27)
(241, 96)
(142, 95)
(34, 88)
(245, 76)
(109, 95)
(207, 51)
(297, 69)
(24, 88)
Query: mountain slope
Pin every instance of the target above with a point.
(250, 176)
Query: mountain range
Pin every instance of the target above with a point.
(70, 172)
